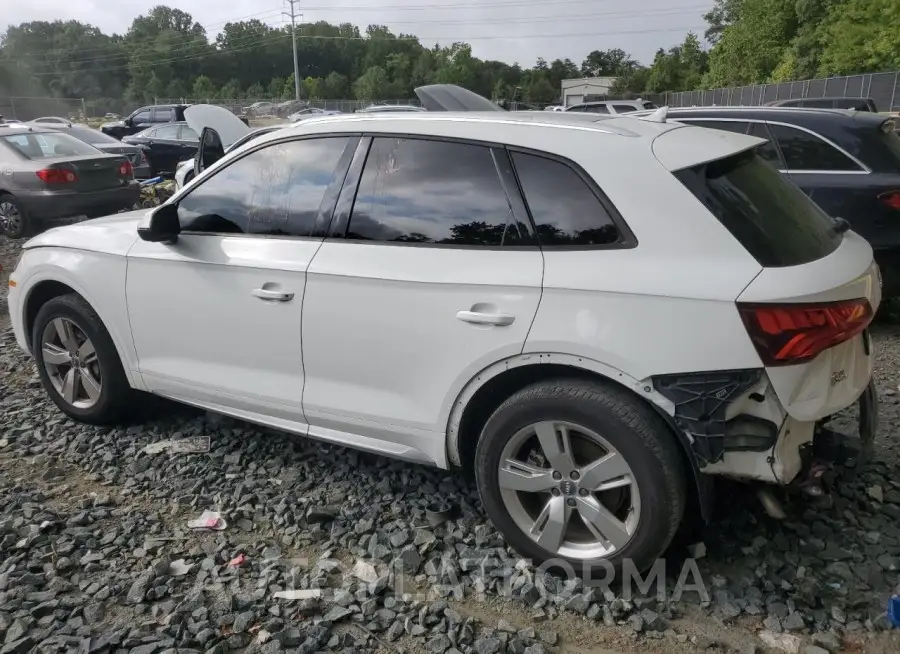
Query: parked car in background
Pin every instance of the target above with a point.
(164, 146)
(859, 104)
(52, 120)
(311, 112)
(50, 176)
(612, 106)
(507, 282)
(259, 109)
(144, 118)
(847, 161)
(107, 144)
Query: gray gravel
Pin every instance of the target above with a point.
(95, 554)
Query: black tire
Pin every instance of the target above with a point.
(25, 224)
(639, 435)
(115, 392)
(188, 177)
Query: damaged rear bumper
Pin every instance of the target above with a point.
(737, 427)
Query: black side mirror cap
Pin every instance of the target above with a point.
(164, 226)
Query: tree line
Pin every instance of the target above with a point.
(167, 54)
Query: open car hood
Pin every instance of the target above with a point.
(450, 97)
(228, 126)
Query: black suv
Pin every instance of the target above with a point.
(847, 161)
(141, 119)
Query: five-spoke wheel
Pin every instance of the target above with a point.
(71, 363)
(581, 473)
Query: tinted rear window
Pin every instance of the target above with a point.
(773, 219)
(89, 135)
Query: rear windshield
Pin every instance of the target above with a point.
(89, 135)
(773, 219)
(46, 145)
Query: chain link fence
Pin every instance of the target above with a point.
(882, 88)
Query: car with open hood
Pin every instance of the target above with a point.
(481, 291)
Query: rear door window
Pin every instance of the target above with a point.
(433, 192)
(624, 108)
(804, 151)
(773, 219)
(597, 109)
(163, 115)
(167, 132)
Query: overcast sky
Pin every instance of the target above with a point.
(508, 30)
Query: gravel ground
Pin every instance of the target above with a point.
(96, 554)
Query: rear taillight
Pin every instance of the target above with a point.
(125, 169)
(891, 199)
(56, 176)
(787, 334)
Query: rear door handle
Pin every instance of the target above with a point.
(273, 296)
(479, 318)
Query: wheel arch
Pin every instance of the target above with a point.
(494, 384)
(38, 293)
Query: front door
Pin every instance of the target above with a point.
(431, 275)
(216, 316)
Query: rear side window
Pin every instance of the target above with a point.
(803, 151)
(433, 192)
(564, 208)
(768, 150)
(624, 108)
(773, 219)
(164, 115)
(597, 109)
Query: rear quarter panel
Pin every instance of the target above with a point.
(666, 305)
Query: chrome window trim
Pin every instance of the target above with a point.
(864, 169)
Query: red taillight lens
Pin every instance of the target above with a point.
(891, 199)
(787, 334)
(125, 169)
(56, 176)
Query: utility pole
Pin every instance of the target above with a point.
(293, 16)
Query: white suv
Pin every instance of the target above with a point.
(592, 314)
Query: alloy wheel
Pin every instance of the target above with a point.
(10, 218)
(569, 490)
(71, 363)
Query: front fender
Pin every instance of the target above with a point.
(99, 278)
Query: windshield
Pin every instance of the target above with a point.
(771, 217)
(46, 145)
(89, 135)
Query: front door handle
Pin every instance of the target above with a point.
(272, 295)
(480, 318)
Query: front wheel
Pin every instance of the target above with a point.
(77, 361)
(583, 475)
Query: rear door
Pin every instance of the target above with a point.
(430, 274)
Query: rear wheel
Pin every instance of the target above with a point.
(14, 220)
(578, 473)
(77, 361)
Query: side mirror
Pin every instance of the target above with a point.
(210, 150)
(163, 227)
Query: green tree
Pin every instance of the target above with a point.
(231, 90)
(542, 91)
(255, 90)
(371, 84)
(607, 63)
(861, 36)
(276, 88)
(723, 14)
(203, 88)
(336, 86)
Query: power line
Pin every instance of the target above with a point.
(471, 5)
(411, 39)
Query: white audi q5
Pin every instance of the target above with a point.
(594, 314)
